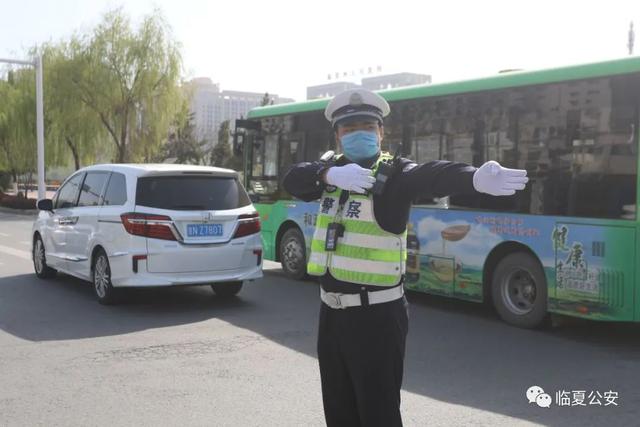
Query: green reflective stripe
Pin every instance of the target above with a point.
(316, 269)
(317, 246)
(383, 242)
(323, 221)
(362, 227)
(365, 278)
(315, 266)
(353, 225)
(359, 252)
(369, 254)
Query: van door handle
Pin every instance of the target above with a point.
(68, 220)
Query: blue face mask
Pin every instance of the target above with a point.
(360, 145)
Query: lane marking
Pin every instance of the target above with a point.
(15, 252)
(270, 265)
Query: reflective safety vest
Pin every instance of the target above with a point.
(366, 254)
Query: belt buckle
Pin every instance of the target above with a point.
(334, 300)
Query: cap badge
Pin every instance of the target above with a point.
(355, 99)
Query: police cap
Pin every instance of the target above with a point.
(356, 104)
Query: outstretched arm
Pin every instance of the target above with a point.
(443, 178)
(433, 179)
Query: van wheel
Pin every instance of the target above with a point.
(226, 289)
(519, 291)
(102, 286)
(293, 254)
(43, 271)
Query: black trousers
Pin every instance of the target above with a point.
(361, 354)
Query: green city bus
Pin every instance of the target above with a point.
(566, 244)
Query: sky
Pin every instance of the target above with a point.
(283, 46)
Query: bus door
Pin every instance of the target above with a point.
(245, 134)
(261, 166)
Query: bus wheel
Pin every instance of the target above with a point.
(519, 290)
(293, 254)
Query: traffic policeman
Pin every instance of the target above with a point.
(358, 251)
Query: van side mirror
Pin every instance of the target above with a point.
(45, 205)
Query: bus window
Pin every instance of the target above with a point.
(318, 135)
(470, 128)
(290, 156)
(262, 181)
(290, 150)
(258, 157)
(427, 149)
(576, 141)
(271, 155)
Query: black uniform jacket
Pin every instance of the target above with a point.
(391, 208)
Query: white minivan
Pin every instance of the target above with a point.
(136, 225)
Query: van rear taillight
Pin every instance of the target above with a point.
(148, 225)
(247, 224)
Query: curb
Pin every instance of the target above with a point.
(26, 212)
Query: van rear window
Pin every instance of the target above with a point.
(191, 193)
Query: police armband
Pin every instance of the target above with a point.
(384, 172)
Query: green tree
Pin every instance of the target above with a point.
(130, 79)
(235, 161)
(69, 123)
(6, 95)
(221, 153)
(18, 123)
(266, 100)
(182, 144)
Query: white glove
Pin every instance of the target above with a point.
(351, 177)
(491, 178)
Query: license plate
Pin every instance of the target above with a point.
(204, 230)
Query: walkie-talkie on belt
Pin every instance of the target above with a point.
(385, 170)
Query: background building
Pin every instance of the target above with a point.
(379, 82)
(329, 89)
(395, 80)
(211, 106)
